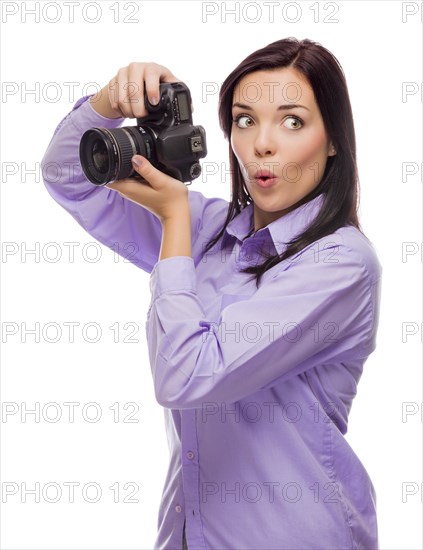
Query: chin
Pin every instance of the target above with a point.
(266, 206)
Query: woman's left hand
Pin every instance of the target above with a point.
(161, 194)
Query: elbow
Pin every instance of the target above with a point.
(51, 176)
(60, 167)
(46, 171)
(184, 381)
(52, 171)
(189, 393)
(55, 174)
(170, 399)
(173, 388)
(164, 401)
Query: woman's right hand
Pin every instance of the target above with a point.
(124, 94)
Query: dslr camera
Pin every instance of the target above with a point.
(166, 137)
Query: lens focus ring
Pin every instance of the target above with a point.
(126, 150)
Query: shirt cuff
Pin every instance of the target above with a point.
(176, 273)
(84, 116)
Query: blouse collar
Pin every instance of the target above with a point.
(280, 231)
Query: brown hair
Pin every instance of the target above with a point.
(340, 181)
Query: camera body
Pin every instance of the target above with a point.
(166, 137)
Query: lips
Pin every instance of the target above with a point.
(265, 178)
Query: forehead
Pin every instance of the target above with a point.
(285, 85)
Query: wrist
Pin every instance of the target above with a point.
(180, 211)
(176, 234)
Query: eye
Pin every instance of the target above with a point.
(243, 121)
(298, 123)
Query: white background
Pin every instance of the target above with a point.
(379, 49)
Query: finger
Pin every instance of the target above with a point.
(147, 171)
(112, 90)
(154, 74)
(135, 89)
(123, 103)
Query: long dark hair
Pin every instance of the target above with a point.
(340, 182)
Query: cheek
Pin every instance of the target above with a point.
(239, 151)
(235, 146)
(311, 149)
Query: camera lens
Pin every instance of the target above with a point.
(105, 154)
(100, 157)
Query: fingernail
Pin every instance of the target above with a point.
(136, 161)
(154, 100)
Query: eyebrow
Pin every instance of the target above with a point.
(285, 107)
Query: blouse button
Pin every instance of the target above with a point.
(190, 455)
(178, 508)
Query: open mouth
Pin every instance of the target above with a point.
(264, 175)
(265, 181)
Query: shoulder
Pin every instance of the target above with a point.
(356, 245)
(207, 214)
(346, 253)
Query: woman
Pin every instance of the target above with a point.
(263, 311)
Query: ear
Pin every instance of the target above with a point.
(332, 150)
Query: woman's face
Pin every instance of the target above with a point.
(279, 139)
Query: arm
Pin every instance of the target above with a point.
(167, 198)
(309, 313)
(126, 227)
(112, 220)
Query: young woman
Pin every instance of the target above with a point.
(263, 310)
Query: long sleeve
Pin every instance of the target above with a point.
(122, 225)
(309, 313)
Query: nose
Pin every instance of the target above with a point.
(264, 144)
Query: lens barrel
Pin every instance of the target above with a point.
(105, 154)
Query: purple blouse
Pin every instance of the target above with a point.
(256, 383)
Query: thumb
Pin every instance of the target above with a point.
(146, 170)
